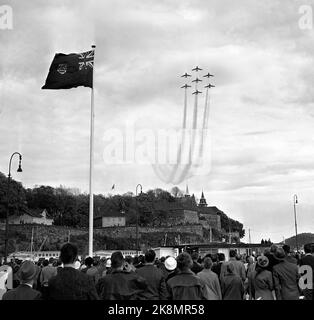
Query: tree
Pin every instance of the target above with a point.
(176, 192)
(17, 200)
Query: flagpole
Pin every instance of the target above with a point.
(91, 167)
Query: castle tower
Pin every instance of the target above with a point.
(202, 202)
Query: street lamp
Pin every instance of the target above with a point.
(139, 185)
(295, 201)
(8, 204)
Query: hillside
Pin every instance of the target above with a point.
(303, 238)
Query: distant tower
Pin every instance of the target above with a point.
(187, 194)
(202, 202)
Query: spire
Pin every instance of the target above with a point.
(187, 194)
(202, 202)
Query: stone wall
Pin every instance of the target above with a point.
(40, 231)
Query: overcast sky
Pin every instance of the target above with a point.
(261, 133)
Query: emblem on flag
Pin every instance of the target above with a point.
(62, 68)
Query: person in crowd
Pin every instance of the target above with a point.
(262, 280)
(108, 266)
(15, 267)
(170, 267)
(308, 260)
(47, 272)
(129, 264)
(217, 267)
(250, 268)
(93, 271)
(161, 266)
(102, 267)
(210, 279)
(185, 285)
(24, 291)
(231, 283)
(289, 257)
(239, 268)
(156, 285)
(69, 283)
(196, 267)
(88, 262)
(140, 262)
(270, 254)
(286, 277)
(120, 284)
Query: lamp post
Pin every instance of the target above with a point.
(8, 204)
(295, 201)
(139, 185)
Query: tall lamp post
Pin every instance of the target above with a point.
(295, 201)
(139, 185)
(8, 204)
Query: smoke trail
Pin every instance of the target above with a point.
(205, 124)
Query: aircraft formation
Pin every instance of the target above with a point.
(197, 80)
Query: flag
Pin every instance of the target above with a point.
(70, 71)
(112, 187)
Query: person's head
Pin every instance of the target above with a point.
(117, 260)
(232, 253)
(96, 262)
(27, 272)
(184, 261)
(128, 263)
(195, 256)
(214, 257)
(286, 249)
(150, 256)
(308, 248)
(221, 257)
(51, 260)
(238, 257)
(45, 263)
(273, 248)
(279, 254)
(208, 263)
(141, 259)
(262, 262)
(68, 253)
(249, 260)
(88, 262)
(162, 259)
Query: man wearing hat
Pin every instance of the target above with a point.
(24, 291)
(286, 277)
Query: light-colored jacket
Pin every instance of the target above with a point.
(211, 288)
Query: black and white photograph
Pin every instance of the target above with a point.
(156, 154)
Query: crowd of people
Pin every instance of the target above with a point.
(273, 275)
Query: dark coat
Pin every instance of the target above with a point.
(286, 278)
(156, 285)
(22, 292)
(71, 284)
(232, 287)
(121, 285)
(185, 286)
(196, 268)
